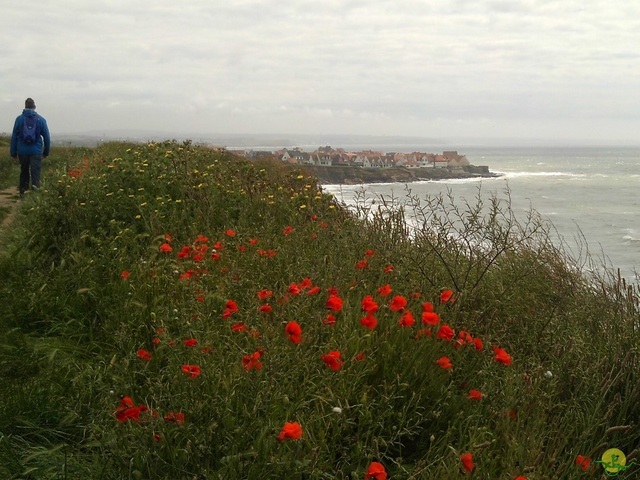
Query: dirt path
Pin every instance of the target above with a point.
(8, 199)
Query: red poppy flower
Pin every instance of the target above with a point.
(384, 290)
(125, 274)
(288, 230)
(465, 337)
(329, 320)
(447, 296)
(474, 395)
(253, 241)
(293, 328)
(294, 289)
(375, 471)
(427, 307)
(520, 477)
(406, 319)
(332, 291)
(445, 333)
(369, 305)
(398, 303)
(583, 462)
(362, 264)
(239, 327)
(166, 248)
(430, 318)
(388, 269)
(231, 307)
(369, 321)
(201, 239)
(132, 413)
(128, 411)
(266, 308)
(168, 237)
(174, 417)
(444, 363)
(252, 362)
(369, 253)
(230, 233)
(264, 294)
(314, 290)
(306, 283)
(191, 342)
(294, 332)
(334, 303)
(184, 252)
(192, 370)
(144, 355)
(215, 256)
(290, 430)
(477, 342)
(501, 356)
(467, 461)
(360, 357)
(333, 360)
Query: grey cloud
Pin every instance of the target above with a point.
(293, 65)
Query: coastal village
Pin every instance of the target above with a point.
(330, 157)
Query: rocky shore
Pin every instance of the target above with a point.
(355, 175)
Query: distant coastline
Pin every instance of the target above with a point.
(338, 166)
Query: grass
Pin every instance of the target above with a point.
(135, 263)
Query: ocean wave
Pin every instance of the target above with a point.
(630, 239)
(454, 180)
(540, 174)
(350, 187)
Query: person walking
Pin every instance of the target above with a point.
(30, 142)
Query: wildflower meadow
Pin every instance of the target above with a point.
(171, 311)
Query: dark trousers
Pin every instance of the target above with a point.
(30, 166)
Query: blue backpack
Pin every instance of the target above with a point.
(30, 130)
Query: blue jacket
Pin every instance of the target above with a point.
(18, 147)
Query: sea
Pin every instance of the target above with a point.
(590, 196)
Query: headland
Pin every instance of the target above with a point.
(338, 166)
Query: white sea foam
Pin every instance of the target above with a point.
(541, 174)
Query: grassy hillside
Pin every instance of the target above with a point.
(173, 312)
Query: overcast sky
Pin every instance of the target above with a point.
(549, 69)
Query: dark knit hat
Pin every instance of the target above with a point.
(29, 103)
